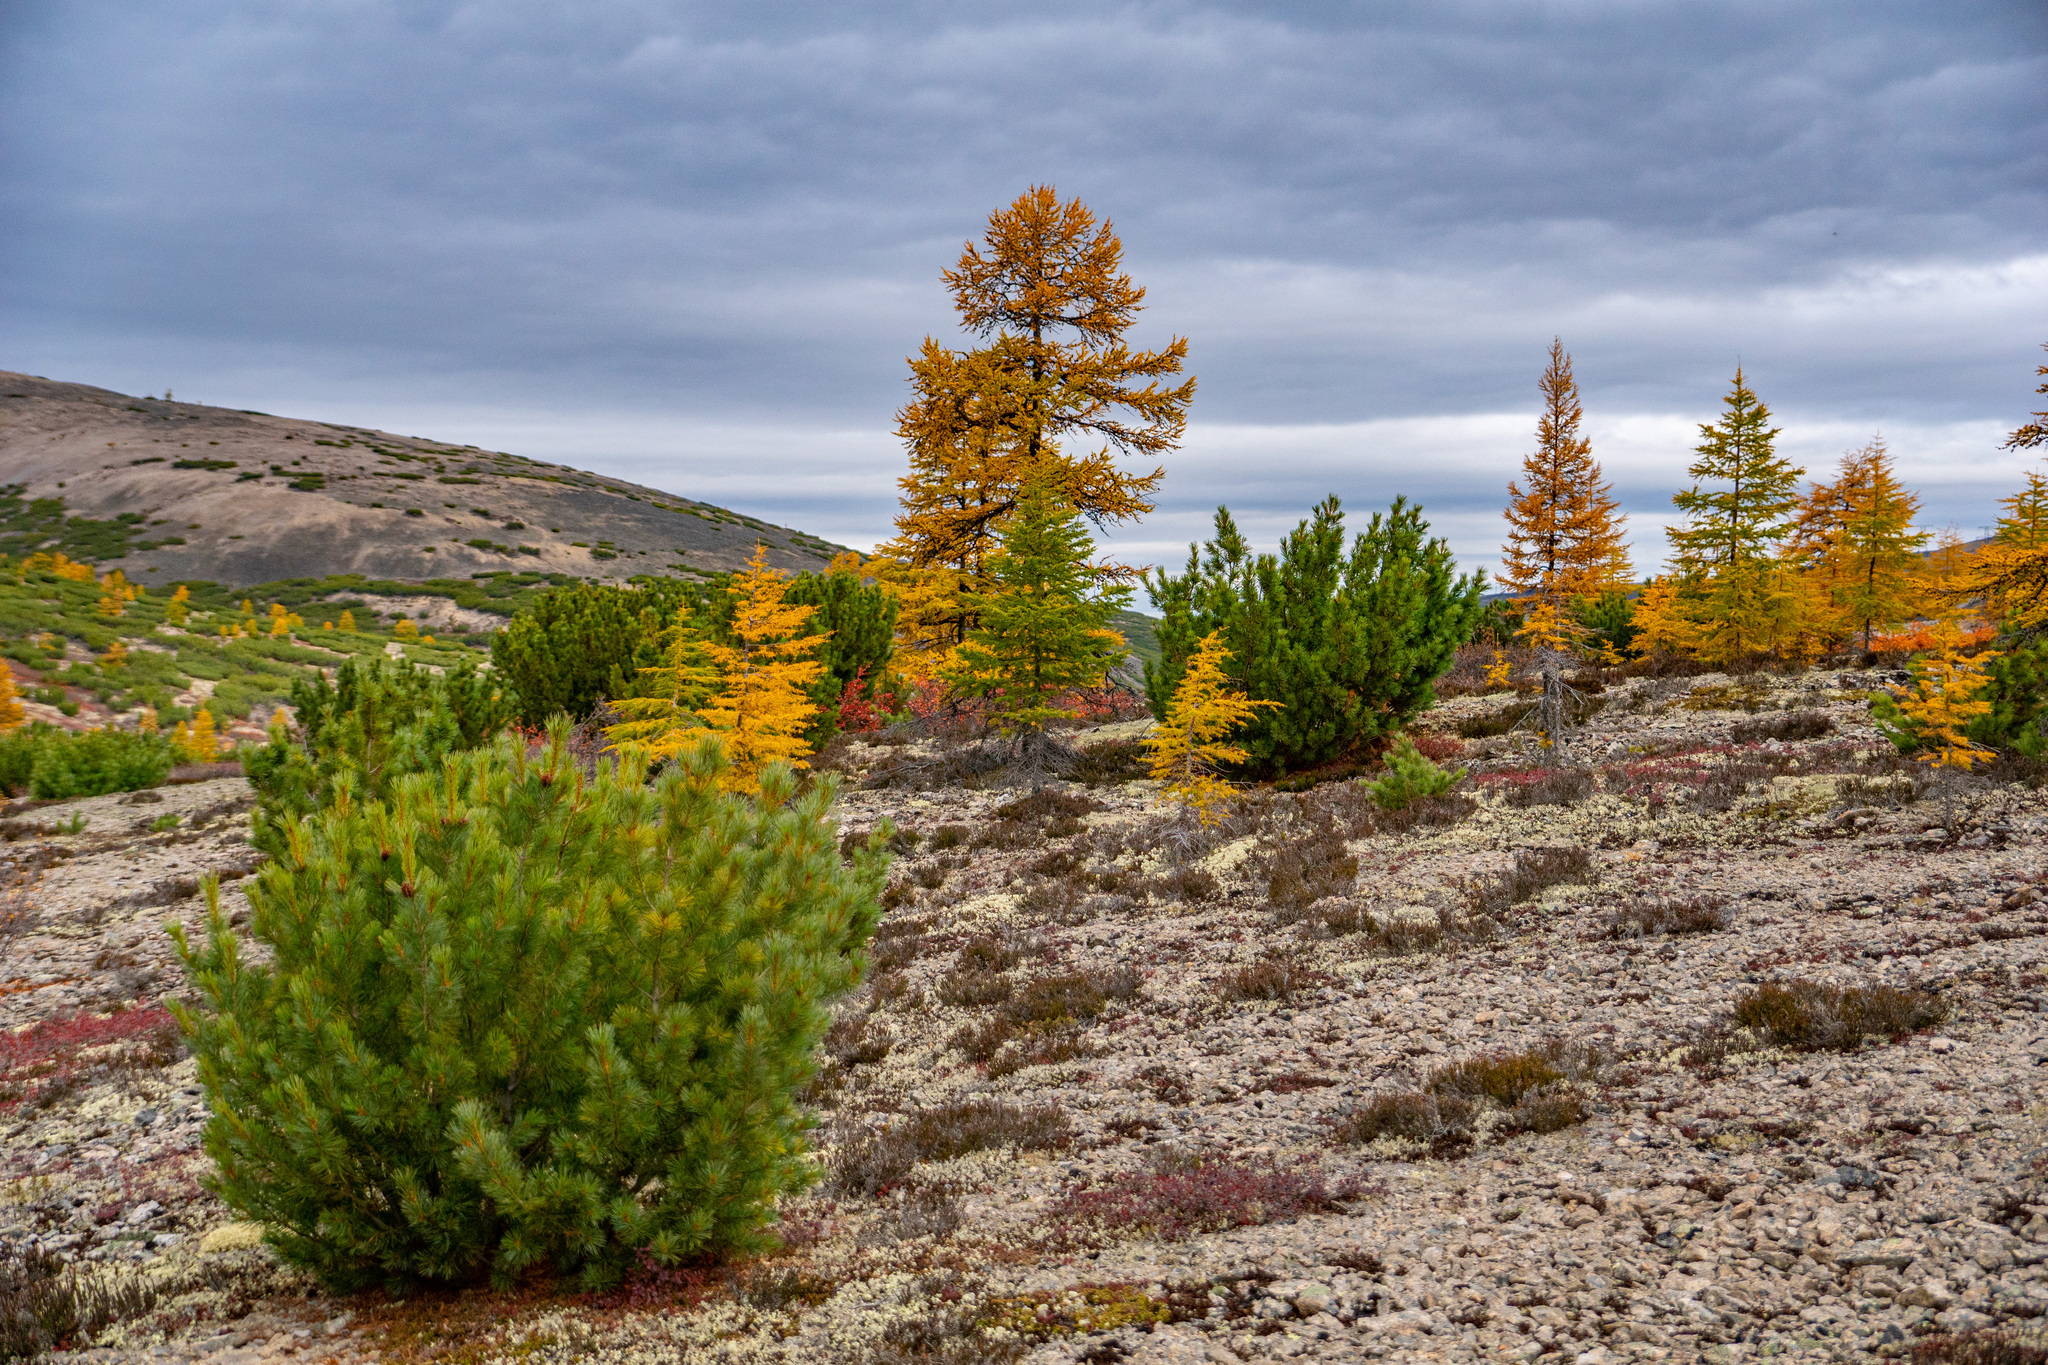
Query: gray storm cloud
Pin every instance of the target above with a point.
(693, 243)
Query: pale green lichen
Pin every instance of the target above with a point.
(1081, 1309)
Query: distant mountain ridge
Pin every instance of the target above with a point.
(168, 491)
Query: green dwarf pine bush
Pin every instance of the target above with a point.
(521, 1021)
(1349, 646)
(582, 645)
(2018, 693)
(1611, 619)
(858, 621)
(56, 765)
(1410, 777)
(379, 720)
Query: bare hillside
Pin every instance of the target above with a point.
(182, 491)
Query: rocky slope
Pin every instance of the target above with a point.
(1112, 1095)
(170, 491)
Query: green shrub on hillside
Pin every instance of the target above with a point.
(1347, 645)
(50, 764)
(517, 1019)
(859, 622)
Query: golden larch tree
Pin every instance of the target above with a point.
(1565, 530)
(197, 742)
(1854, 541)
(2025, 523)
(758, 704)
(2035, 433)
(2011, 573)
(1944, 700)
(1046, 295)
(1814, 543)
(178, 606)
(1188, 747)
(1880, 548)
(11, 712)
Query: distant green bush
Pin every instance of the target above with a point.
(580, 645)
(858, 621)
(18, 758)
(50, 764)
(1349, 645)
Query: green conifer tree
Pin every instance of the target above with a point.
(517, 1019)
(1045, 631)
(1726, 554)
(1348, 645)
(858, 620)
(587, 643)
(1410, 776)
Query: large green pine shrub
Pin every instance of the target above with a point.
(520, 1020)
(1348, 645)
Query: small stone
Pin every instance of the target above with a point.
(1893, 1253)
(144, 1118)
(1941, 1044)
(1273, 1308)
(144, 1211)
(1311, 1299)
(1964, 1320)
(1927, 1294)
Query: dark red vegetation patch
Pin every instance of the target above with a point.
(42, 1063)
(1206, 1198)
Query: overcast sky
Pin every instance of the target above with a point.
(692, 244)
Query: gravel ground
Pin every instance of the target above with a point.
(1100, 1099)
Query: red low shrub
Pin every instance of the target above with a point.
(1210, 1198)
(48, 1059)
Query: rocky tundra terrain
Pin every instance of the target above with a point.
(1722, 1040)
